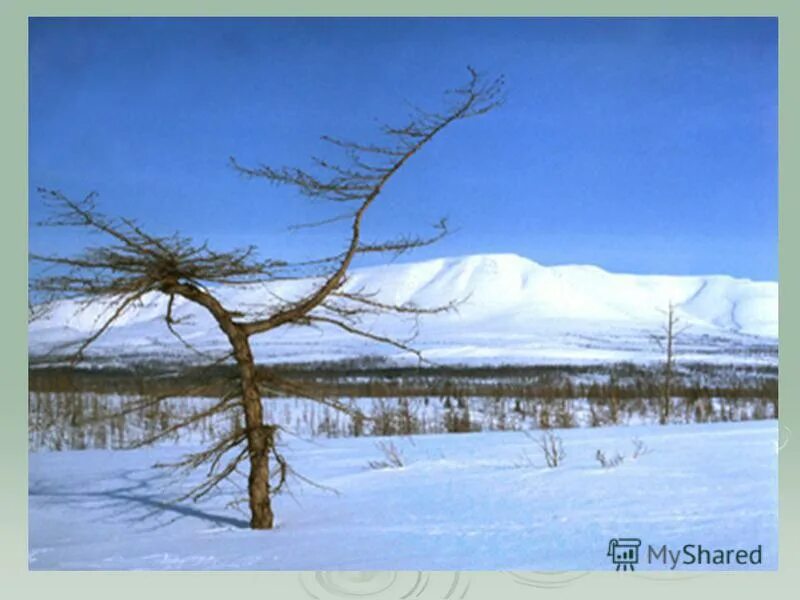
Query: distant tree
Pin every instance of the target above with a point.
(133, 264)
(666, 340)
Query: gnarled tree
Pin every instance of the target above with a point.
(134, 264)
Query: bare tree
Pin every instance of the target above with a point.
(134, 264)
(666, 340)
(552, 448)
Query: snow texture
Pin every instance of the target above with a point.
(469, 501)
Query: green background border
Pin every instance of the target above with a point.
(16, 580)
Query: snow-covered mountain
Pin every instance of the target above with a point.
(512, 310)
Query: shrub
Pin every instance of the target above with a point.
(639, 448)
(552, 448)
(609, 463)
(392, 457)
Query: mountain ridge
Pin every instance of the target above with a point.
(510, 308)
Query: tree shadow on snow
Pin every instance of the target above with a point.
(135, 497)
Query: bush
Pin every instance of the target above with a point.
(552, 448)
(609, 463)
(393, 457)
(639, 448)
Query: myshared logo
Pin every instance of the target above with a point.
(627, 552)
(697, 554)
(624, 552)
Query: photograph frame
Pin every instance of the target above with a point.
(13, 442)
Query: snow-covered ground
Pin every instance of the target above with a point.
(462, 501)
(513, 310)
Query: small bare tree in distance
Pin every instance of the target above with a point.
(671, 330)
(134, 264)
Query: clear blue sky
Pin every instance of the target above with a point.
(639, 145)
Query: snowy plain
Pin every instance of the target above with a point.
(460, 502)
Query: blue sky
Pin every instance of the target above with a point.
(639, 145)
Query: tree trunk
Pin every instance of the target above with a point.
(259, 436)
(668, 367)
